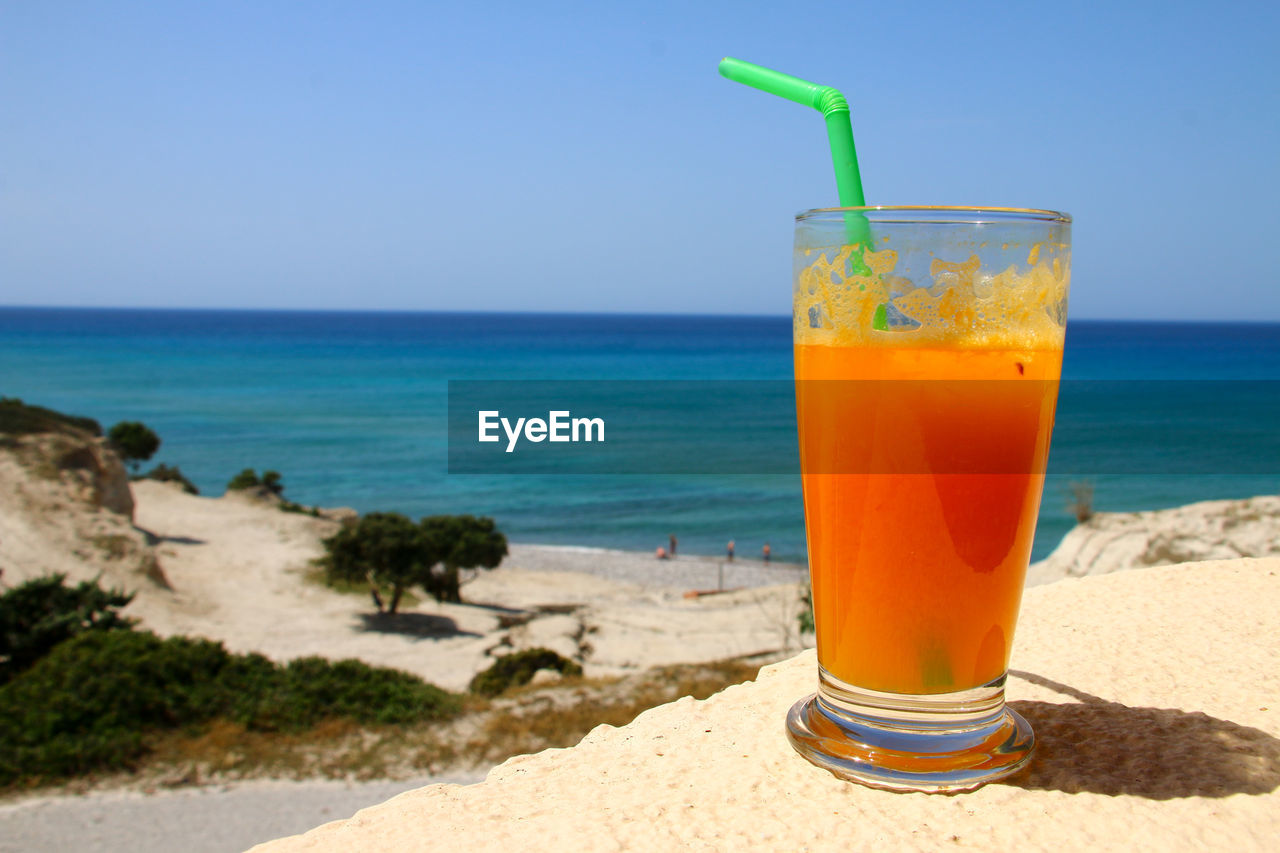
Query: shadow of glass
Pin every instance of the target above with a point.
(424, 625)
(1160, 753)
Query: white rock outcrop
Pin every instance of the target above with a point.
(1210, 530)
(66, 507)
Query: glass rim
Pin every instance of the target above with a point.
(929, 213)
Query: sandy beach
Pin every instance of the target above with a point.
(241, 572)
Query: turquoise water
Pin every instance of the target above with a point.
(351, 408)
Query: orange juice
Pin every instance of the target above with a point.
(922, 466)
(928, 346)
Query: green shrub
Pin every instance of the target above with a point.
(37, 615)
(517, 669)
(246, 479)
(165, 474)
(91, 703)
(806, 611)
(134, 441)
(88, 703)
(366, 694)
(249, 479)
(17, 418)
(290, 506)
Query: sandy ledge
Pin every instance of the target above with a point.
(1155, 694)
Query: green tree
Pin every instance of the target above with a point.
(384, 549)
(457, 542)
(390, 552)
(134, 441)
(272, 483)
(37, 615)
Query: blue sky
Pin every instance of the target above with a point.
(588, 157)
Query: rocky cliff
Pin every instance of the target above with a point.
(66, 507)
(1210, 530)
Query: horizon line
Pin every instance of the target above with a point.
(549, 313)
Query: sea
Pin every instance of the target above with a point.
(352, 409)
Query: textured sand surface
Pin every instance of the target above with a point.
(1155, 694)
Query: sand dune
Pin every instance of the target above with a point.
(240, 571)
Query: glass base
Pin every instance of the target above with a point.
(935, 742)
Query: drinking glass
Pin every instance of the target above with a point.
(928, 349)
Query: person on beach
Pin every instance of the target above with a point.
(729, 549)
(662, 553)
(766, 551)
(671, 540)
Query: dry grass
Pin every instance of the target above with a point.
(532, 719)
(335, 749)
(116, 546)
(1081, 503)
(487, 732)
(39, 456)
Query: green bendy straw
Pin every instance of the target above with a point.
(835, 110)
(824, 99)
